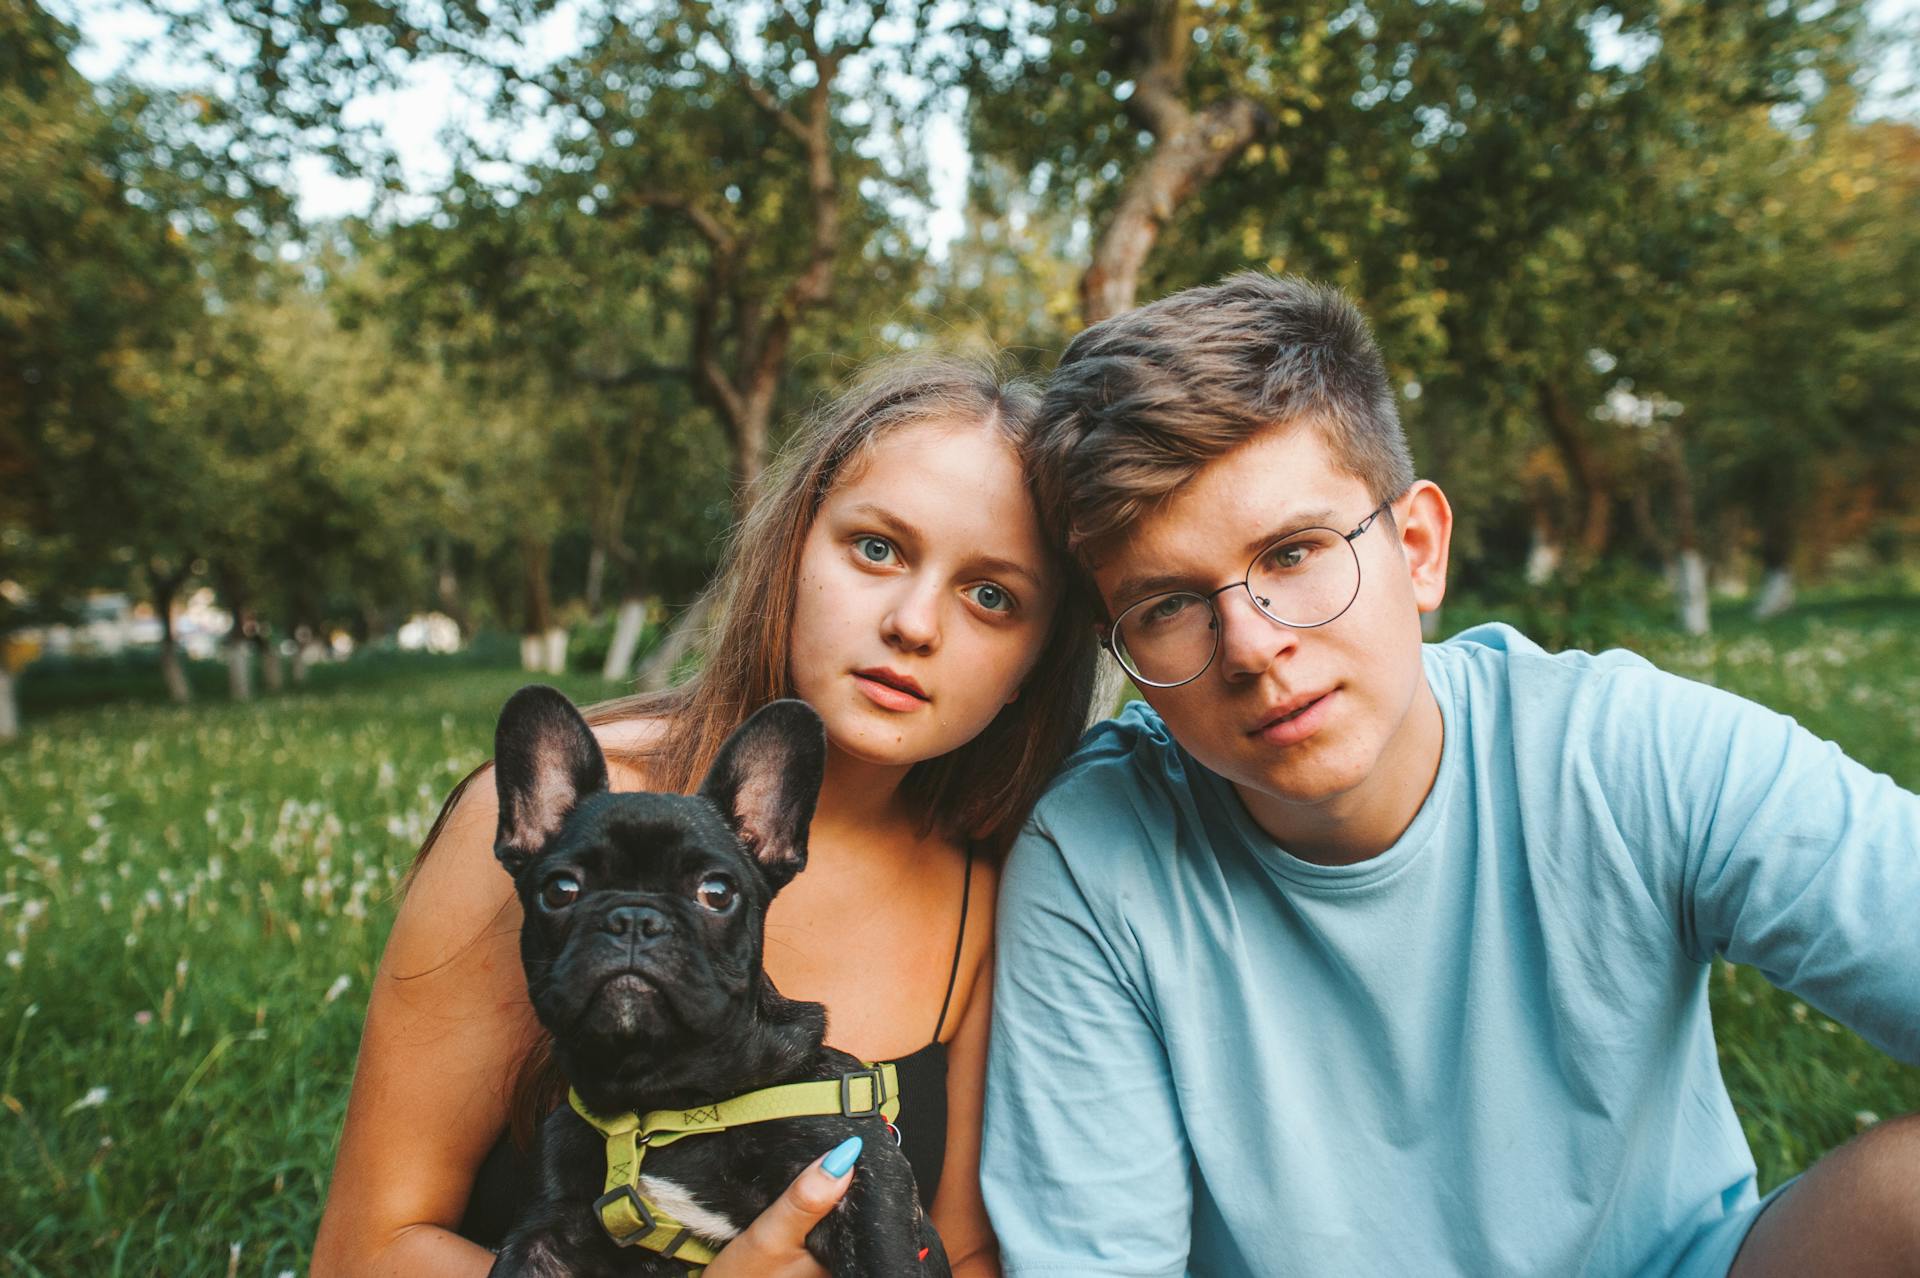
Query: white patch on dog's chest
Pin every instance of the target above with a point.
(676, 1202)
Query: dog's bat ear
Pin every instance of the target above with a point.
(545, 761)
(766, 781)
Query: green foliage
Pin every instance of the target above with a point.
(89, 278)
(1642, 273)
(1537, 205)
(1603, 608)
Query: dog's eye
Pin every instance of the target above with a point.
(716, 893)
(561, 889)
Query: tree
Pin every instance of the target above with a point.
(95, 274)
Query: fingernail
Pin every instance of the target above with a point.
(836, 1163)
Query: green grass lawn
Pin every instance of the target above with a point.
(192, 902)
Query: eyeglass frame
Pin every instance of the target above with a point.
(1246, 583)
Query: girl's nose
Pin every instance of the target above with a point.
(913, 623)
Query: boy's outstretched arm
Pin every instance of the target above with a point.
(1085, 1163)
(1785, 855)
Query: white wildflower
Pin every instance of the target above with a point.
(95, 1097)
(339, 987)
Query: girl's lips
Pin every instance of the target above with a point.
(1303, 724)
(885, 695)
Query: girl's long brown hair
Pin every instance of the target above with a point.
(979, 792)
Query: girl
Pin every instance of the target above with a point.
(894, 575)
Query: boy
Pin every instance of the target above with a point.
(1349, 955)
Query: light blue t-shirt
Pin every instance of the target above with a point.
(1485, 1051)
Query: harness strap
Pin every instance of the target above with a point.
(631, 1221)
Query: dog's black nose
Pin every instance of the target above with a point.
(641, 922)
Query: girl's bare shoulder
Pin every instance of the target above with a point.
(628, 743)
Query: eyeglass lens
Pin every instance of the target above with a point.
(1304, 580)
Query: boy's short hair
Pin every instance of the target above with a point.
(1142, 401)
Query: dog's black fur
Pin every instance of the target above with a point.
(657, 1001)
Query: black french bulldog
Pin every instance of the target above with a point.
(642, 945)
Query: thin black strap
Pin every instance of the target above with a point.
(953, 975)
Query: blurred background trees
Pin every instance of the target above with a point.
(1646, 274)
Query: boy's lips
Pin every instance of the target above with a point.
(1294, 720)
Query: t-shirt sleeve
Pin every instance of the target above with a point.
(1085, 1164)
(1774, 849)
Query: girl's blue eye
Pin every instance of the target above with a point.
(991, 597)
(875, 550)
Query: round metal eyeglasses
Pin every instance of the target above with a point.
(1303, 580)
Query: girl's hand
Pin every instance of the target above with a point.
(775, 1244)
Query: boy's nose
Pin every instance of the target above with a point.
(1250, 640)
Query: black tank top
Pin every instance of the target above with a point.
(505, 1180)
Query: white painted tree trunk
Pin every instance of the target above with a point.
(533, 653)
(1690, 592)
(308, 653)
(1543, 560)
(9, 706)
(240, 671)
(627, 627)
(272, 672)
(688, 632)
(1776, 594)
(554, 650)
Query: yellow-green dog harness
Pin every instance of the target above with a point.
(631, 1221)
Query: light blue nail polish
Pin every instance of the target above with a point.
(842, 1157)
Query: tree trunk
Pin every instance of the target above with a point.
(750, 445)
(554, 650)
(446, 587)
(373, 621)
(1543, 557)
(1190, 149)
(627, 628)
(9, 706)
(239, 664)
(1690, 592)
(596, 577)
(165, 587)
(1592, 486)
(686, 636)
(538, 601)
(1689, 565)
(1777, 536)
(1776, 594)
(272, 673)
(303, 646)
(172, 672)
(239, 640)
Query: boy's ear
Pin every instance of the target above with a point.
(545, 760)
(1424, 519)
(766, 781)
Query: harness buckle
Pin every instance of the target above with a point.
(626, 1192)
(879, 1084)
